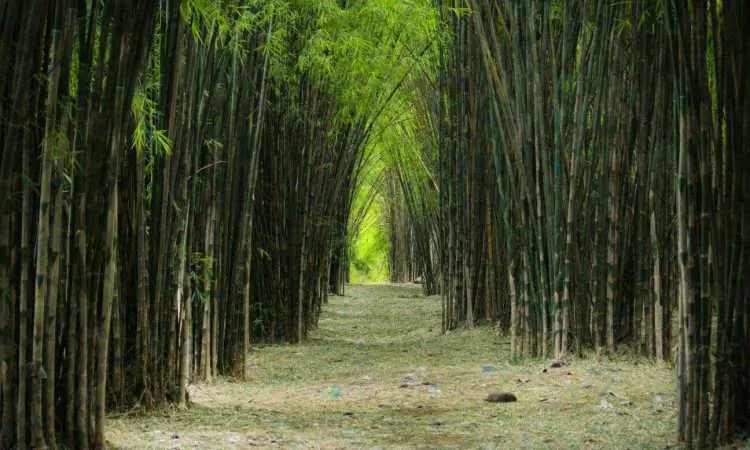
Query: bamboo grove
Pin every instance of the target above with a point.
(177, 179)
(182, 179)
(611, 134)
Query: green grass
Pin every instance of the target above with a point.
(378, 373)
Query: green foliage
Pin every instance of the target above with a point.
(364, 51)
(201, 272)
(368, 55)
(371, 246)
(145, 136)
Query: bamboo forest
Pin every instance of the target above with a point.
(549, 195)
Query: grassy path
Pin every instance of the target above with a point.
(378, 374)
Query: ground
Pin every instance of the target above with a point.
(378, 373)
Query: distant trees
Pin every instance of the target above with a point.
(327, 109)
(408, 145)
(412, 200)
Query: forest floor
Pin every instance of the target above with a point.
(378, 373)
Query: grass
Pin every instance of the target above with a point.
(378, 373)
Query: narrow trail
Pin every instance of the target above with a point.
(378, 373)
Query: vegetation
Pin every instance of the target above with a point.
(622, 179)
(181, 180)
(370, 240)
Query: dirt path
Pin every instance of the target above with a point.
(378, 374)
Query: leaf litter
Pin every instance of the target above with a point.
(377, 373)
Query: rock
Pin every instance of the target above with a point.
(501, 397)
(488, 368)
